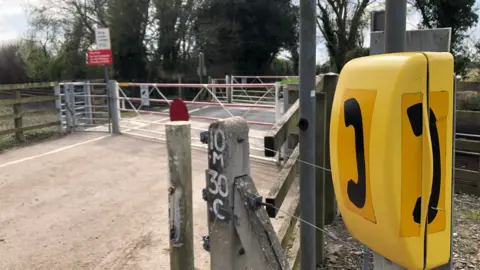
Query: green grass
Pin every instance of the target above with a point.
(289, 81)
(9, 141)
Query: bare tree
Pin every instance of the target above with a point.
(341, 23)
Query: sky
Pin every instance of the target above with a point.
(14, 23)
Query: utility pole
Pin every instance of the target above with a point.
(307, 97)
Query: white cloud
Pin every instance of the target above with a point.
(13, 19)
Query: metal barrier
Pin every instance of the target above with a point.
(85, 107)
(145, 110)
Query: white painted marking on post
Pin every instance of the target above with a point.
(312, 93)
(218, 145)
(218, 157)
(215, 204)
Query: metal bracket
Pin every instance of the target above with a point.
(205, 194)
(204, 137)
(255, 201)
(206, 243)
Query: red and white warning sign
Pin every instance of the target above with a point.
(103, 54)
(99, 57)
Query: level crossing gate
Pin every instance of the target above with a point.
(85, 107)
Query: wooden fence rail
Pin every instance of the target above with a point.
(467, 166)
(19, 112)
(285, 132)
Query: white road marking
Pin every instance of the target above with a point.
(52, 152)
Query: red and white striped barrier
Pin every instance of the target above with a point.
(228, 105)
(199, 117)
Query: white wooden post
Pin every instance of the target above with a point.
(180, 195)
(241, 235)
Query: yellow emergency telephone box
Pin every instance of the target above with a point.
(391, 155)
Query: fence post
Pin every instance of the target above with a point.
(240, 233)
(320, 135)
(329, 86)
(180, 195)
(286, 106)
(180, 89)
(113, 100)
(214, 89)
(69, 107)
(58, 105)
(88, 102)
(228, 159)
(228, 90)
(18, 114)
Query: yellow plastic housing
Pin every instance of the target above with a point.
(391, 147)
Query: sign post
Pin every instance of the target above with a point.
(145, 93)
(102, 56)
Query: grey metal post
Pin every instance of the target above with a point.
(214, 89)
(306, 124)
(395, 25)
(58, 105)
(113, 105)
(228, 90)
(180, 213)
(70, 107)
(88, 103)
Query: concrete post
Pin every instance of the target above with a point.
(180, 195)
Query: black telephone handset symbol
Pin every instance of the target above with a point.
(357, 192)
(415, 116)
